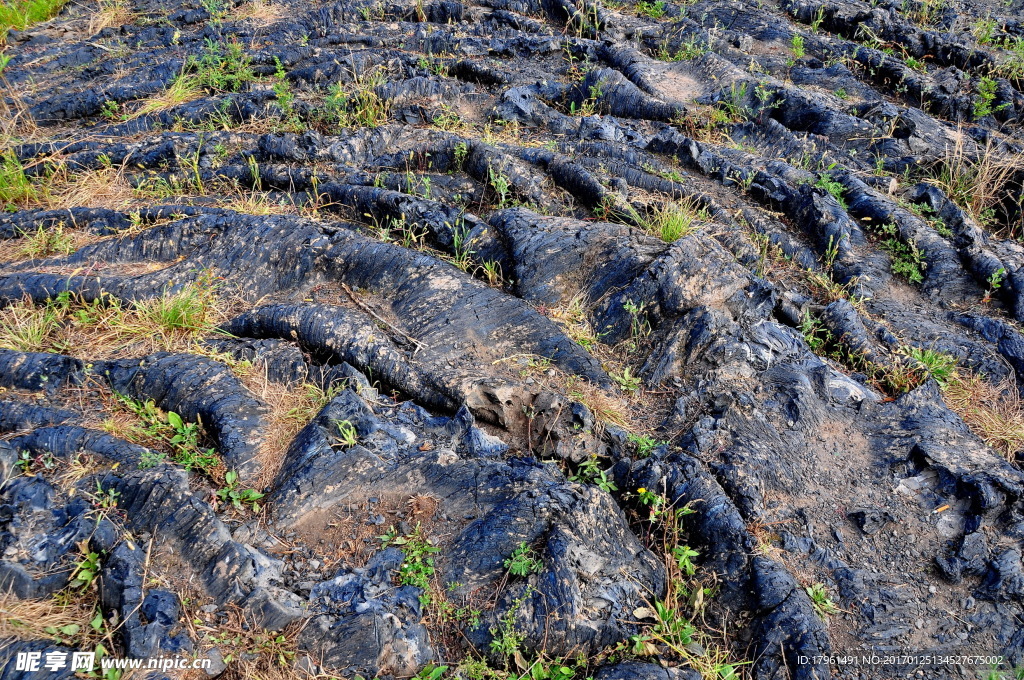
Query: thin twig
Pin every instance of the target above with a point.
(363, 306)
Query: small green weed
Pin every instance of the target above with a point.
(986, 97)
(430, 672)
(670, 629)
(823, 604)
(459, 154)
(1012, 66)
(347, 433)
(222, 67)
(20, 14)
(507, 638)
(639, 330)
(984, 30)
(238, 497)
(684, 555)
(626, 381)
(44, 242)
(357, 104)
(500, 184)
(590, 472)
(16, 189)
(816, 22)
(907, 260)
(418, 566)
(833, 187)
(691, 48)
(799, 51)
(30, 465)
(653, 10)
(286, 99)
(734, 102)
(86, 570)
(111, 110)
(524, 561)
(940, 366)
(644, 444)
(169, 430)
(995, 282)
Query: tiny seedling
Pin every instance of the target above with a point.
(823, 604)
(86, 570)
(418, 566)
(626, 380)
(238, 497)
(684, 555)
(459, 154)
(523, 561)
(501, 185)
(995, 282)
(797, 43)
(431, 672)
(347, 433)
(105, 499)
(42, 462)
(645, 445)
(590, 472)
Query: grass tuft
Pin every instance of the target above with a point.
(191, 310)
(16, 189)
(605, 408)
(183, 89)
(994, 412)
(108, 327)
(986, 185)
(20, 14)
(358, 104)
(673, 221)
(44, 242)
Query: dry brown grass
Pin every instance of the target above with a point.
(291, 409)
(704, 124)
(56, 240)
(248, 650)
(258, 203)
(110, 328)
(57, 187)
(994, 412)
(572, 317)
(110, 13)
(606, 408)
(178, 92)
(766, 538)
(65, 619)
(30, 619)
(106, 188)
(981, 181)
(262, 13)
